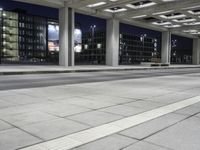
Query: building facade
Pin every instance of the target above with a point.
(33, 39)
(24, 38)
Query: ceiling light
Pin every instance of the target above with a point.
(96, 4)
(136, 17)
(195, 33)
(193, 7)
(172, 26)
(184, 20)
(141, 4)
(162, 12)
(192, 24)
(115, 9)
(173, 16)
(168, 0)
(160, 23)
(194, 12)
(189, 31)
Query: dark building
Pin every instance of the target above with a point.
(93, 49)
(137, 49)
(180, 53)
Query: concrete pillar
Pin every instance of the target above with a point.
(71, 36)
(66, 37)
(166, 47)
(196, 51)
(112, 42)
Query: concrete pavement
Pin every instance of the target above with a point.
(37, 115)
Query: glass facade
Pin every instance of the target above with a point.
(25, 38)
(10, 46)
(53, 41)
(1, 35)
(137, 49)
(93, 49)
(181, 52)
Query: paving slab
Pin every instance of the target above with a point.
(5, 104)
(147, 105)
(148, 128)
(28, 118)
(51, 93)
(95, 118)
(172, 98)
(15, 110)
(188, 111)
(123, 110)
(91, 104)
(197, 105)
(198, 115)
(52, 129)
(145, 146)
(114, 142)
(142, 93)
(61, 110)
(4, 125)
(109, 99)
(21, 99)
(183, 136)
(13, 139)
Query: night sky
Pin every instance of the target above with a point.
(85, 22)
(31, 9)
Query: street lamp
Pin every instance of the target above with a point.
(142, 38)
(174, 45)
(93, 27)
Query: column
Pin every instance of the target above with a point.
(166, 47)
(112, 42)
(66, 37)
(196, 51)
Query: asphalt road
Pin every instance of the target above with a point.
(43, 80)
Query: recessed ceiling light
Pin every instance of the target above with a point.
(136, 17)
(183, 20)
(141, 4)
(168, 0)
(162, 12)
(189, 31)
(193, 7)
(192, 24)
(96, 4)
(160, 23)
(195, 33)
(194, 12)
(115, 9)
(173, 16)
(172, 26)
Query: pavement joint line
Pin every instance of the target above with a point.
(89, 135)
(16, 127)
(167, 148)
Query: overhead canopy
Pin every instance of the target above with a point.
(182, 17)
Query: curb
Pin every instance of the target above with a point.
(88, 70)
